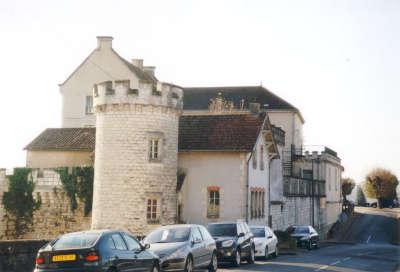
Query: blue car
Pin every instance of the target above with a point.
(96, 251)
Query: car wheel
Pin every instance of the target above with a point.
(251, 257)
(213, 266)
(189, 264)
(155, 268)
(276, 253)
(309, 245)
(237, 258)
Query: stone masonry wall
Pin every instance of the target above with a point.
(54, 216)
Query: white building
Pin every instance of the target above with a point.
(233, 148)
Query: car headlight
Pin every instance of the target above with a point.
(227, 243)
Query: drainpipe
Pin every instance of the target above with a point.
(269, 194)
(247, 187)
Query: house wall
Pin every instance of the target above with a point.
(223, 169)
(291, 123)
(259, 178)
(276, 178)
(102, 64)
(54, 159)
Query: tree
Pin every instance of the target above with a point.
(19, 201)
(361, 200)
(381, 184)
(347, 187)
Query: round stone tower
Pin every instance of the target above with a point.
(136, 154)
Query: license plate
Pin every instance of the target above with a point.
(64, 258)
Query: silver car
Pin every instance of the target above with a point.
(183, 248)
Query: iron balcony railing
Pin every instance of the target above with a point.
(293, 186)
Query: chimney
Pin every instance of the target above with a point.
(104, 42)
(254, 107)
(138, 63)
(149, 70)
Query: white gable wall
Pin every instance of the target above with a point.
(291, 123)
(103, 64)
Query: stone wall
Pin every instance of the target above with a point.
(297, 211)
(54, 216)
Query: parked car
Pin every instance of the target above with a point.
(183, 247)
(266, 243)
(234, 242)
(306, 236)
(95, 251)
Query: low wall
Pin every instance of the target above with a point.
(19, 255)
(54, 216)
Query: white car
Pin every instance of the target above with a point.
(265, 241)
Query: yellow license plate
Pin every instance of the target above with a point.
(64, 258)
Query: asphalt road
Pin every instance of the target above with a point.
(367, 246)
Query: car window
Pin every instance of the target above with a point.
(168, 235)
(196, 236)
(222, 229)
(301, 230)
(110, 243)
(259, 232)
(119, 243)
(76, 240)
(204, 232)
(131, 242)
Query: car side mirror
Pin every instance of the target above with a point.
(241, 234)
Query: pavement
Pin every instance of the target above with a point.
(369, 244)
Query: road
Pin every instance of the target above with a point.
(367, 246)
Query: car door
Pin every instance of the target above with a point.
(142, 260)
(121, 258)
(197, 247)
(271, 240)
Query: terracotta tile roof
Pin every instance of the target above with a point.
(76, 139)
(235, 132)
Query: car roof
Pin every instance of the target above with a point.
(178, 226)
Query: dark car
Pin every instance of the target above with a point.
(96, 251)
(234, 242)
(306, 236)
(183, 247)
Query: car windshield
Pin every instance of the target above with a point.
(170, 235)
(258, 232)
(75, 240)
(222, 229)
(301, 230)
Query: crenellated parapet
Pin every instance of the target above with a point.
(122, 94)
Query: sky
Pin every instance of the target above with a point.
(337, 61)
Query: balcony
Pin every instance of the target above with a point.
(303, 187)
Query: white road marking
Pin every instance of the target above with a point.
(322, 268)
(335, 263)
(369, 238)
(346, 259)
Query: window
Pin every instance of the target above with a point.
(131, 242)
(89, 105)
(154, 149)
(262, 158)
(204, 232)
(110, 243)
(196, 236)
(152, 210)
(213, 202)
(119, 243)
(254, 154)
(257, 202)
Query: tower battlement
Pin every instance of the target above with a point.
(121, 92)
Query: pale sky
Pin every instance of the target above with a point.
(337, 61)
